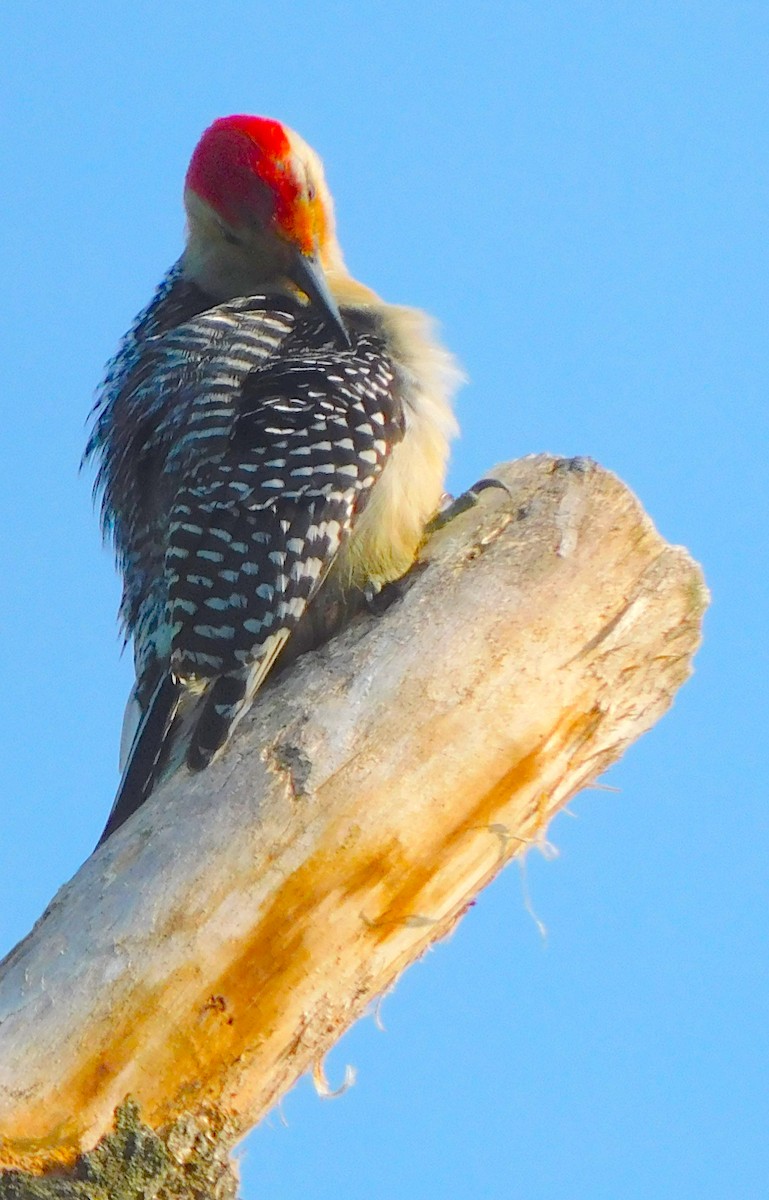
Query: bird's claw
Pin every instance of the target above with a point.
(452, 507)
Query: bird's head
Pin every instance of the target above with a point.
(260, 213)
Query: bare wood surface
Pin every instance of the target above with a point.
(219, 944)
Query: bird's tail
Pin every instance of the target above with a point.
(226, 703)
(144, 758)
(186, 724)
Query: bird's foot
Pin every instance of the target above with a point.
(452, 507)
(378, 601)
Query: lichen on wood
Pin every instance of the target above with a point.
(190, 1161)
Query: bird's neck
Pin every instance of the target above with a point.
(223, 271)
(256, 265)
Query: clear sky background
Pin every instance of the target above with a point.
(578, 191)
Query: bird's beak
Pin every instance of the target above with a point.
(307, 273)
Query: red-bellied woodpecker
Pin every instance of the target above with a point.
(271, 438)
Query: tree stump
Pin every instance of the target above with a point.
(216, 947)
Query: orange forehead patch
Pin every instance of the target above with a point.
(236, 159)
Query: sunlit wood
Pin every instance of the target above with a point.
(218, 945)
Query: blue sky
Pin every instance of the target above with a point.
(578, 191)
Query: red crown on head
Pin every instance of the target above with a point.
(235, 159)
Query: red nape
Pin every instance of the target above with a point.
(232, 155)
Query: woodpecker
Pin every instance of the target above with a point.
(271, 440)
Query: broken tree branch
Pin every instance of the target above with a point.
(218, 944)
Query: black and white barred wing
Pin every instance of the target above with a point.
(151, 423)
(256, 528)
(170, 408)
(266, 442)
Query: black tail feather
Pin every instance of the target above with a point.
(141, 769)
(221, 707)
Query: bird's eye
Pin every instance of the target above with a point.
(230, 237)
(311, 193)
